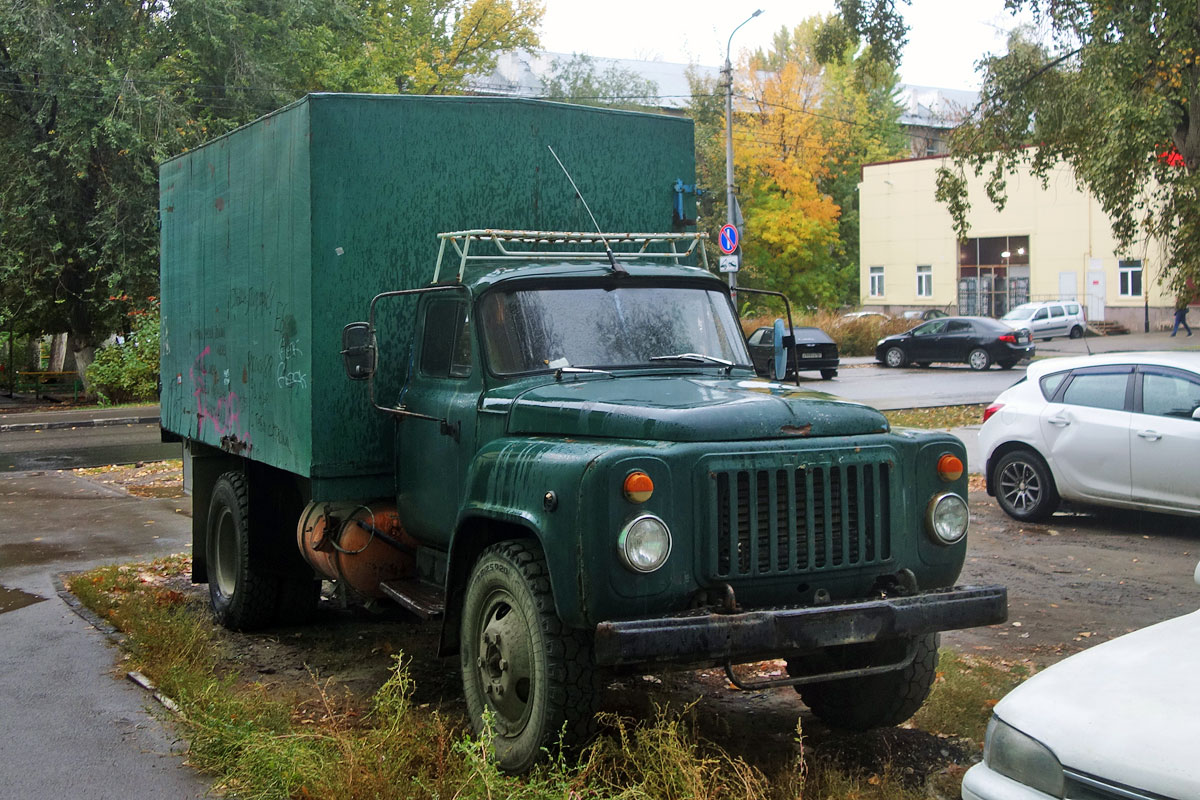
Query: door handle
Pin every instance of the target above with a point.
(1151, 436)
(1059, 420)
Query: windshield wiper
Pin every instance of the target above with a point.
(558, 371)
(699, 358)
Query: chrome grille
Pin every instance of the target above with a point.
(789, 520)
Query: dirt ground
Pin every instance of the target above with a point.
(1085, 577)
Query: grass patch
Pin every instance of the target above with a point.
(938, 417)
(319, 740)
(964, 693)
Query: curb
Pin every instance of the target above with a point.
(113, 635)
(82, 423)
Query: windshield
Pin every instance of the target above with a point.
(1020, 312)
(536, 329)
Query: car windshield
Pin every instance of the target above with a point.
(528, 330)
(1020, 312)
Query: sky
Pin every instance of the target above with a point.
(945, 38)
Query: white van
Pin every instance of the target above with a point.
(1049, 319)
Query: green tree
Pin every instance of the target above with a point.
(95, 93)
(1111, 93)
(576, 80)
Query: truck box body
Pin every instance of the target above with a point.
(279, 233)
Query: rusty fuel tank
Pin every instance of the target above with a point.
(359, 545)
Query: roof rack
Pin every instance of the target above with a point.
(506, 243)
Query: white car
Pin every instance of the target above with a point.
(1116, 722)
(1049, 319)
(1118, 429)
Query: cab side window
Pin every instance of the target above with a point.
(446, 339)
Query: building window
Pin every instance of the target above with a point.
(1130, 274)
(925, 280)
(876, 282)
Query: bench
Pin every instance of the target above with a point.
(42, 381)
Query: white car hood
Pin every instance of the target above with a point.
(1126, 711)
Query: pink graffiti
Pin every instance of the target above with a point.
(225, 417)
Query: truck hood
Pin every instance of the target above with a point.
(678, 408)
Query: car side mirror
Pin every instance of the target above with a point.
(358, 351)
(779, 350)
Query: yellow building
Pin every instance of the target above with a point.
(1048, 243)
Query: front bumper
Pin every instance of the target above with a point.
(706, 637)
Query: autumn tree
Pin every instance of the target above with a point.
(805, 127)
(1111, 91)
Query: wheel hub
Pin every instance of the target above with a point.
(504, 669)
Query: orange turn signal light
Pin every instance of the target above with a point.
(950, 468)
(638, 487)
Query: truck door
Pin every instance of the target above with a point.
(445, 382)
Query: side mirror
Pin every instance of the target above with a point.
(780, 350)
(358, 351)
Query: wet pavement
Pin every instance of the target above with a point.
(72, 726)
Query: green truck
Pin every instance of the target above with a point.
(548, 439)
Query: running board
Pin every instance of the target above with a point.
(424, 600)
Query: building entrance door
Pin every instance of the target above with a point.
(1095, 295)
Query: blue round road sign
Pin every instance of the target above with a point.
(727, 239)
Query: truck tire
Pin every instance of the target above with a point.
(244, 595)
(876, 701)
(521, 667)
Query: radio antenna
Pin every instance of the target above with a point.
(612, 260)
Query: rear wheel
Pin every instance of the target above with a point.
(875, 701)
(978, 359)
(243, 593)
(923, 363)
(1006, 364)
(521, 667)
(828, 374)
(894, 357)
(1076, 332)
(1024, 486)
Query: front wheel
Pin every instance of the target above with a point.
(978, 359)
(1024, 486)
(828, 374)
(894, 357)
(522, 669)
(876, 701)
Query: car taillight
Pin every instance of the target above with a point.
(1011, 338)
(990, 410)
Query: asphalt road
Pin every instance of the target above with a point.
(69, 448)
(71, 729)
(938, 385)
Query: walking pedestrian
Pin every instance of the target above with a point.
(1181, 311)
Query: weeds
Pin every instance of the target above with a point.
(964, 692)
(324, 742)
(939, 417)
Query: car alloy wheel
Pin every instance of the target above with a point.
(1024, 488)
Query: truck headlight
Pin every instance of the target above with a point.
(946, 518)
(644, 543)
(1022, 758)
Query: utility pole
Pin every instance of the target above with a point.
(729, 201)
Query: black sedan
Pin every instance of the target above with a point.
(814, 351)
(977, 341)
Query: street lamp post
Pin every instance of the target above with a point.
(729, 217)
